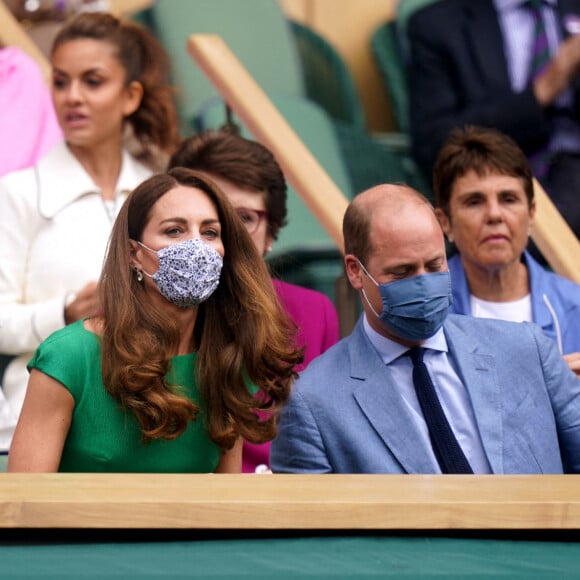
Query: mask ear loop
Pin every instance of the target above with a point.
(141, 272)
(369, 304)
(363, 292)
(367, 272)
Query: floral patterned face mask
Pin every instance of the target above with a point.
(189, 272)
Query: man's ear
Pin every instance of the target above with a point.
(353, 271)
(444, 222)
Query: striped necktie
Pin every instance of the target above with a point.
(540, 57)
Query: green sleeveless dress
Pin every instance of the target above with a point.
(102, 436)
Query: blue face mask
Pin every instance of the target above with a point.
(414, 308)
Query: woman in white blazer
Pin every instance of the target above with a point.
(108, 84)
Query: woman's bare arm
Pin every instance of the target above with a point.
(42, 427)
(231, 461)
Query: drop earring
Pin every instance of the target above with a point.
(139, 275)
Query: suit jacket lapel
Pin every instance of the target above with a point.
(484, 39)
(477, 371)
(383, 406)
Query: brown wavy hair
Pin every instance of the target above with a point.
(242, 333)
(154, 123)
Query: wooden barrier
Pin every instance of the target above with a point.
(357, 502)
(261, 117)
(123, 8)
(554, 238)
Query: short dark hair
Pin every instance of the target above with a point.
(478, 149)
(356, 226)
(247, 164)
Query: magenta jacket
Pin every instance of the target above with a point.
(317, 322)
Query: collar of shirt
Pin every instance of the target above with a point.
(62, 180)
(389, 350)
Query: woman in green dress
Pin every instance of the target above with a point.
(163, 380)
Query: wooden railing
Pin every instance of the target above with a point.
(553, 236)
(347, 502)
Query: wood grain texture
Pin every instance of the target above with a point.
(340, 502)
(554, 238)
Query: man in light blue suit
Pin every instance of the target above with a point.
(511, 403)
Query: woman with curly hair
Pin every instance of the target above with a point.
(164, 379)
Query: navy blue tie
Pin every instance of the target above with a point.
(447, 450)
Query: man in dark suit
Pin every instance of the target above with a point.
(507, 396)
(472, 62)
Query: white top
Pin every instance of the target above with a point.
(55, 228)
(514, 311)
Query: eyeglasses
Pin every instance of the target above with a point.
(251, 218)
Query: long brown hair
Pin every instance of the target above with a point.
(242, 332)
(145, 61)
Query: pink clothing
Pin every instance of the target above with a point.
(317, 322)
(28, 123)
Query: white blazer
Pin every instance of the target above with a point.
(53, 234)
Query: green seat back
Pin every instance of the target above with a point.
(315, 130)
(304, 253)
(327, 78)
(386, 52)
(256, 31)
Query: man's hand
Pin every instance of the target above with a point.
(559, 73)
(573, 360)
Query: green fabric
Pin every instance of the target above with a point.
(256, 31)
(102, 436)
(316, 130)
(327, 78)
(348, 556)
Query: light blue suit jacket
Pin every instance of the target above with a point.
(345, 414)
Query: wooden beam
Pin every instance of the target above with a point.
(263, 120)
(124, 8)
(361, 502)
(13, 34)
(554, 238)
